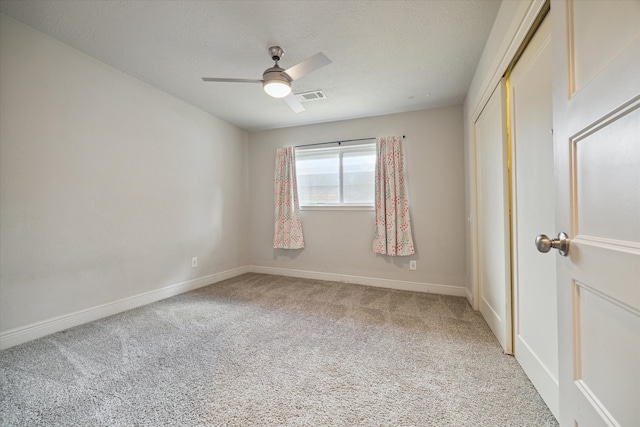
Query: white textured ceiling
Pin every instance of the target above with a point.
(388, 56)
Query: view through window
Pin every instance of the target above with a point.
(336, 176)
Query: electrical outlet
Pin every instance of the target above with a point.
(194, 261)
(412, 265)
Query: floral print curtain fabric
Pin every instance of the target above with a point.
(393, 226)
(287, 222)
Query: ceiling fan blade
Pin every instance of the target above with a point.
(215, 79)
(318, 60)
(293, 103)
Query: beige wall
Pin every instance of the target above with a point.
(108, 186)
(340, 242)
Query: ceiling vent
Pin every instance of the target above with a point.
(313, 95)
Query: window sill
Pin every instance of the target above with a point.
(337, 208)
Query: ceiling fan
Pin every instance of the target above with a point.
(276, 81)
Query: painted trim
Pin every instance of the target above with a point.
(36, 330)
(30, 332)
(504, 58)
(547, 383)
(361, 280)
(469, 296)
(473, 229)
(343, 207)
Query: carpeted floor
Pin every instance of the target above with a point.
(260, 350)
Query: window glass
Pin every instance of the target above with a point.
(336, 176)
(318, 178)
(358, 170)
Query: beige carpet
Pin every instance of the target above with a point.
(261, 350)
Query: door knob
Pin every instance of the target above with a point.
(544, 244)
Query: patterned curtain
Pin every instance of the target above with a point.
(393, 227)
(287, 222)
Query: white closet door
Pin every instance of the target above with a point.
(493, 217)
(533, 195)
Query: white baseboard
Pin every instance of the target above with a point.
(469, 296)
(543, 380)
(27, 333)
(361, 280)
(21, 335)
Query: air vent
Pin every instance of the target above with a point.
(313, 95)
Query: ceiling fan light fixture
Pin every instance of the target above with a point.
(276, 82)
(277, 88)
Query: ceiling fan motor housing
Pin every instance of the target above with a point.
(276, 73)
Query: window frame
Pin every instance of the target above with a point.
(340, 149)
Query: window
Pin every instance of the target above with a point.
(336, 176)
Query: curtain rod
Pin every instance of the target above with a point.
(337, 142)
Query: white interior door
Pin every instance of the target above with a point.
(533, 196)
(494, 277)
(596, 64)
